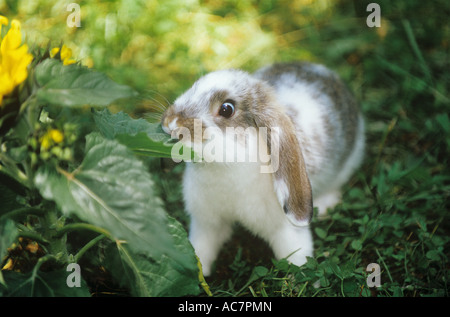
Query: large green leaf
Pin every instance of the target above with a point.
(9, 191)
(113, 190)
(75, 85)
(141, 136)
(8, 234)
(145, 276)
(41, 284)
(111, 125)
(142, 144)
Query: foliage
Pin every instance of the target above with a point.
(394, 211)
(52, 190)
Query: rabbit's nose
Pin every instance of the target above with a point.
(169, 124)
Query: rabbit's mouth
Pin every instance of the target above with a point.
(169, 126)
(186, 129)
(234, 145)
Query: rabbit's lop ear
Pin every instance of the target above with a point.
(291, 182)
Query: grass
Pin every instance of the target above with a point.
(395, 208)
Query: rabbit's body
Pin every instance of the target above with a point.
(242, 194)
(318, 144)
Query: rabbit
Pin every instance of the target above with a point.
(313, 132)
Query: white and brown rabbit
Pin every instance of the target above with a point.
(312, 133)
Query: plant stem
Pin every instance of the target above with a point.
(321, 289)
(13, 171)
(416, 50)
(82, 226)
(342, 287)
(33, 236)
(384, 264)
(303, 288)
(89, 245)
(38, 265)
(41, 261)
(22, 212)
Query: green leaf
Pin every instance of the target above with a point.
(10, 189)
(111, 125)
(335, 269)
(141, 136)
(320, 233)
(8, 234)
(41, 284)
(258, 272)
(351, 287)
(75, 85)
(113, 190)
(145, 276)
(433, 255)
(357, 245)
(142, 144)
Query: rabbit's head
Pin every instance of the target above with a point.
(234, 99)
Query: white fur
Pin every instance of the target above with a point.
(319, 69)
(171, 126)
(213, 197)
(218, 194)
(309, 122)
(281, 189)
(195, 99)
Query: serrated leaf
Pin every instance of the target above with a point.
(139, 135)
(75, 85)
(111, 125)
(113, 190)
(145, 276)
(41, 284)
(142, 144)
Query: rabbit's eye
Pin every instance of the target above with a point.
(227, 109)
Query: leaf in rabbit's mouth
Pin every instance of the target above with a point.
(139, 135)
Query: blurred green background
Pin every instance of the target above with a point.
(162, 47)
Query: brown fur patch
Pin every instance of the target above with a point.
(292, 169)
(343, 105)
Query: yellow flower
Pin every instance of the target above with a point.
(3, 21)
(51, 137)
(54, 51)
(66, 54)
(56, 135)
(14, 58)
(9, 265)
(45, 142)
